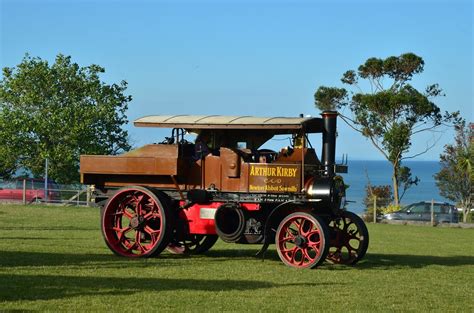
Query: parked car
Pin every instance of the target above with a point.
(34, 191)
(421, 211)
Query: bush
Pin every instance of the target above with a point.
(391, 208)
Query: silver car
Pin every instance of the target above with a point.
(421, 211)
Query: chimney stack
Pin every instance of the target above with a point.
(329, 141)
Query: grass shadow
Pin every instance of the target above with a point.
(388, 261)
(370, 261)
(45, 287)
(237, 253)
(32, 259)
(50, 228)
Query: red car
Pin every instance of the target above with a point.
(13, 190)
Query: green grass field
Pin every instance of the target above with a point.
(54, 258)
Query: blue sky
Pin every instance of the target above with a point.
(263, 58)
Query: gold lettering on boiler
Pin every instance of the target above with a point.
(274, 178)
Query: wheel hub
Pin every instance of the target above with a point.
(300, 241)
(137, 222)
(340, 238)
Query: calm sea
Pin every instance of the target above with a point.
(380, 173)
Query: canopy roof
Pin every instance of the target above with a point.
(309, 124)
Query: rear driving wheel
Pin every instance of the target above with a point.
(301, 240)
(192, 244)
(136, 222)
(349, 239)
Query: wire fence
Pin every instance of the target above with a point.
(381, 210)
(31, 191)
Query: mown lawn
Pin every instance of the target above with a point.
(54, 258)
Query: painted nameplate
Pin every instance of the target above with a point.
(274, 178)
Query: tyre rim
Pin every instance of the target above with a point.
(133, 223)
(299, 242)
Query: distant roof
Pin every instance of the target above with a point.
(310, 124)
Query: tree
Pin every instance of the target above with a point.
(58, 112)
(391, 112)
(8, 160)
(405, 180)
(455, 179)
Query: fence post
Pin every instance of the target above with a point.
(77, 199)
(375, 209)
(432, 212)
(88, 195)
(24, 191)
(46, 181)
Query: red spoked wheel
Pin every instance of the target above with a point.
(301, 240)
(135, 223)
(349, 239)
(192, 244)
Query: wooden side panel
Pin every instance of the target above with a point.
(230, 184)
(212, 170)
(157, 159)
(112, 180)
(244, 177)
(151, 165)
(100, 164)
(230, 163)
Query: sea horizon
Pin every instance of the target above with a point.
(385, 160)
(379, 172)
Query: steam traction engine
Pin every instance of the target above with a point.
(183, 196)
